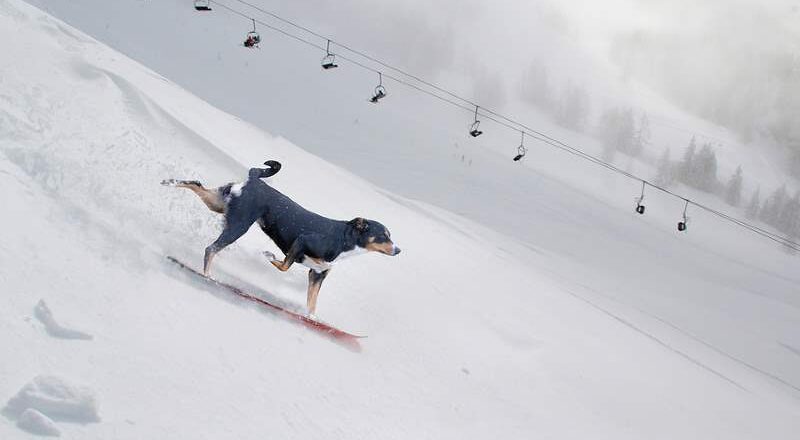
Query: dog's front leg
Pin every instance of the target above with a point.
(295, 252)
(315, 280)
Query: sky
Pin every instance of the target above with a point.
(713, 58)
(483, 51)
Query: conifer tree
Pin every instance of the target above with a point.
(754, 205)
(665, 174)
(733, 190)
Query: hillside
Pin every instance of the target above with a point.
(570, 317)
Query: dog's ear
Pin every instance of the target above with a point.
(359, 223)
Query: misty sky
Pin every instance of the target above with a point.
(724, 61)
(693, 53)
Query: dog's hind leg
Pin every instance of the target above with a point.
(211, 197)
(236, 225)
(315, 280)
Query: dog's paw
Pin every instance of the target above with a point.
(169, 182)
(270, 256)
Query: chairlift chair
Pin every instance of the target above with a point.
(682, 224)
(253, 38)
(380, 91)
(329, 60)
(521, 149)
(202, 5)
(639, 200)
(473, 129)
(521, 152)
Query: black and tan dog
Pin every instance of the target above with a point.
(304, 237)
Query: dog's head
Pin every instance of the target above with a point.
(373, 236)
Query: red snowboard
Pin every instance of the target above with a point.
(341, 336)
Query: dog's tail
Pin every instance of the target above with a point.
(262, 173)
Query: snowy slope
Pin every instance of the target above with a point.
(472, 332)
(575, 215)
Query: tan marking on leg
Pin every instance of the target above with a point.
(212, 199)
(207, 263)
(281, 265)
(313, 293)
(315, 280)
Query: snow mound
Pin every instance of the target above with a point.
(55, 397)
(45, 316)
(37, 423)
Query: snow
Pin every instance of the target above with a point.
(52, 397)
(37, 423)
(549, 309)
(53, 328)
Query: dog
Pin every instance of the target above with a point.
(303, 236)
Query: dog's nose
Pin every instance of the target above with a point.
(396, 250)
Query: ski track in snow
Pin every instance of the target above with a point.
(45, 316)
(696, 338)
(658, 340)
(790, 348)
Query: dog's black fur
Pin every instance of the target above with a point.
(303, 236)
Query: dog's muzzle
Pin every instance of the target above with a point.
(395, 250)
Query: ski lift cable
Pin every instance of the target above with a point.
(487, 113)
(434, 86)
(438, 88)
(351, 60)
(513, 125)
(267, 25)
(357, 52)
(741, 223)
(722, 215)
(491, 115)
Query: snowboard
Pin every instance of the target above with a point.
(326, 329)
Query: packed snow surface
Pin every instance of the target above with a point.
(579, 319)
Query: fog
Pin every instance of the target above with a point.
(734, 63)
(727, 72)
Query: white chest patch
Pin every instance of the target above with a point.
(321, 266)
(318, 267)
(356, 251)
